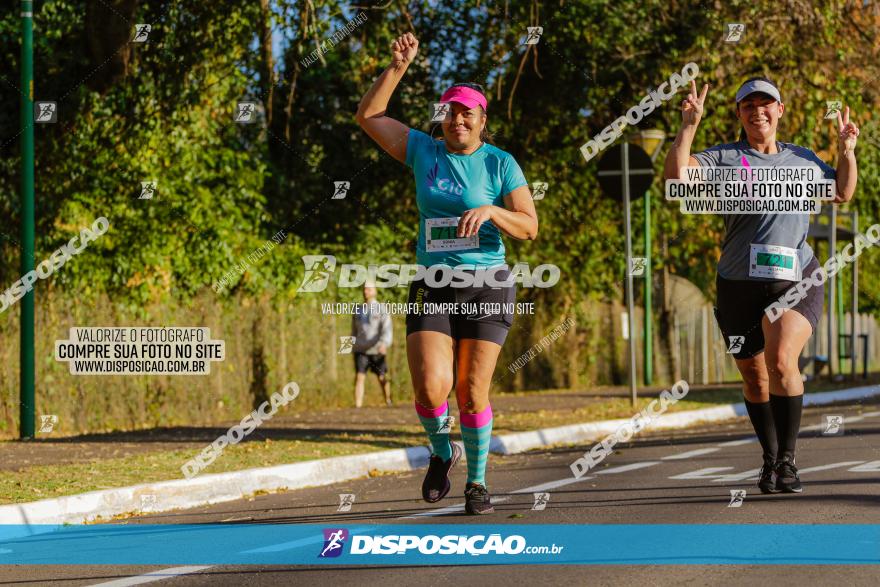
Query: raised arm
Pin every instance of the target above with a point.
(847, 170)
(390, 134)
(680, 154)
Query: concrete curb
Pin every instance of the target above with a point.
(221, 487)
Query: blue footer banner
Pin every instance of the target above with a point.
(440, 544)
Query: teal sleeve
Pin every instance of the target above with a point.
(513, 176)
(417, 144)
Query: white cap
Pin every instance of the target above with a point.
(757, 85)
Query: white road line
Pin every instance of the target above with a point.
(152, 577)
(733, 477)
(870, 414)
(690, 453)
(739, 442)
(707, 473)
(823, 426)
(438, 512)
(871, 467)
(552, 485)
(448, 510)
(826, 467)
(625, 468)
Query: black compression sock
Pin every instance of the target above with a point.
(762, 421)
(787, 417)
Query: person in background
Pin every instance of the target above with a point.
(372, 334)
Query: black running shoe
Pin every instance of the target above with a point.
(787, 479)
(436, 484)
(477, 500)
(767, 478)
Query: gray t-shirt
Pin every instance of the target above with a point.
(743, 230)
(371, 328)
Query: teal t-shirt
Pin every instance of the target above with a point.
(447, 184)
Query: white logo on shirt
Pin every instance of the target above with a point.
(446, 185)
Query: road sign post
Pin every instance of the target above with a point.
(625, 170)
(649, 286)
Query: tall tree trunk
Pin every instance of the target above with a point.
(291, 95)
(108, 35)
(267, 68)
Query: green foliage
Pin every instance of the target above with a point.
(224, 188)
(163, 111)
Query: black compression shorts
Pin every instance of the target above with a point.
(491, 321)
(741, 303)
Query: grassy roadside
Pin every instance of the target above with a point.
(45, 482)
(48, 481)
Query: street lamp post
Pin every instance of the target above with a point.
(27, 428)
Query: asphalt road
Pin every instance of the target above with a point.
(681, 477)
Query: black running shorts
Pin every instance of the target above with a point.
(740, 308)
(375, 363)
(491, 321)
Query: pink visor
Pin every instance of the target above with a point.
(464, 95)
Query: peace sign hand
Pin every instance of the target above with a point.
(847, 132)
(692, 106)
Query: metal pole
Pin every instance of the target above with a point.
(676, 347)
(854, 316)
(27, 428)
(704, 344)
(832, 299)
(841, 325)
(629, 283)
(649, 286)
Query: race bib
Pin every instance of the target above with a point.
(440, 236)
(774, 262)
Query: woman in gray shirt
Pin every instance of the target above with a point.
(762, 257)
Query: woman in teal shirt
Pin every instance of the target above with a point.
(468, 192)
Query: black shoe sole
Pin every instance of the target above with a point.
(790, 490)
(456, 454)
(768, 490)
(489, 510)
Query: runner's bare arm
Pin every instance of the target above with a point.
(847, 169)
(390, 134)
(517, 218)
(680, 154)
